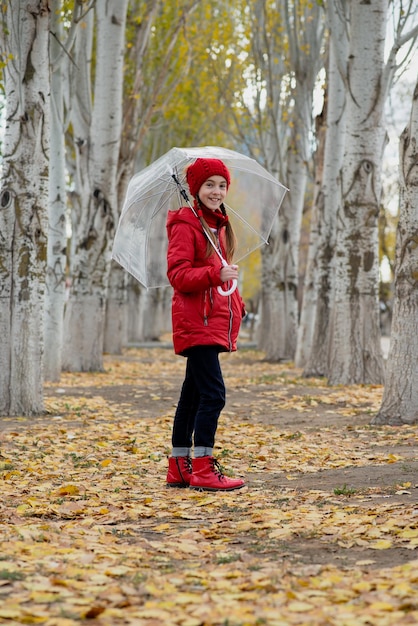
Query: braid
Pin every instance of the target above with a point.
(231, 240)
(207, 230)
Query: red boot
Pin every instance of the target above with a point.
(179, 471)
(207, 476)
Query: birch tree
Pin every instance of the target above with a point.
(97, 130)
(400, 398)
(278, 48)
(24, 204)
(304, 27)
(140, 21)
(57, 236)
(354, 353)
(313, 350)
(61, 41)
(158, 56)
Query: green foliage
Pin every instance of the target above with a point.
(387, 236)
(344, 491)
(217, 74)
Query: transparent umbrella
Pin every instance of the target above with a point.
(140, 245)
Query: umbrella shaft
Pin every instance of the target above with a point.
(185, 196)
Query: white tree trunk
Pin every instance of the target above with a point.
(97, 136)
(400, 398)
(23, 203)
(355, 352)
(57, 232)
(279, 299)
(116, 326)
(138, 113)
(317, 307)
(309, 295)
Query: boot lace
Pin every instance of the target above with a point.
(188, 464)
(217, 469)
(184, 467)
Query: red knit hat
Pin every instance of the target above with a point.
(202, 169)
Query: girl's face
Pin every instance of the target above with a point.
(213, 192)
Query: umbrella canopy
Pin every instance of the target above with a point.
(140, 245)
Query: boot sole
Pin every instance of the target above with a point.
(217, 488)
(178, 485)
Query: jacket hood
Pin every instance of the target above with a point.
(183, 215)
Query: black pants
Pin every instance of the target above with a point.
(202, 398)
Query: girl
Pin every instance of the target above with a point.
(205, 323)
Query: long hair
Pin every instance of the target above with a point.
(230, 238)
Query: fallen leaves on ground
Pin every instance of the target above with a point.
(90, 533)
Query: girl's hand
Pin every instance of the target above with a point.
(229, 272)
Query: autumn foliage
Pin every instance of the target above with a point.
(325, 532)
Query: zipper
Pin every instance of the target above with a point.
(208, 294)
(205, 310)
(231, 316)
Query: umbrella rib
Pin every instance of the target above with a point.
(139, 239)
(249, 226)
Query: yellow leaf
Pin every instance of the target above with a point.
(32, 619)
(191, 621)
(394, 457)
(381, 606)
(188, 598)
(103, 510)
(10, 613)
(22, 508)
(68, 490)
(156, 614)
(105, 462)
(59, 582)
(382, 544)
(43, 597)
(116, 571)
(363, 586)
(11, 474)
(33, 501)
(299, 607)
(162, 527)
(409, 533)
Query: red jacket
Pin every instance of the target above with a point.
(200, 315)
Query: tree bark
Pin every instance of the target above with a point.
(355, 353)
(23, 206)
(57, 232)
(117, 305)
(97, 132)
(400, 398)
(280, 297)
(278, 331)
(116, 324)
(323, 236)
(310, 289)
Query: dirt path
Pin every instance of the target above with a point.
(277, 396)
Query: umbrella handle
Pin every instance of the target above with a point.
(227, 292)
